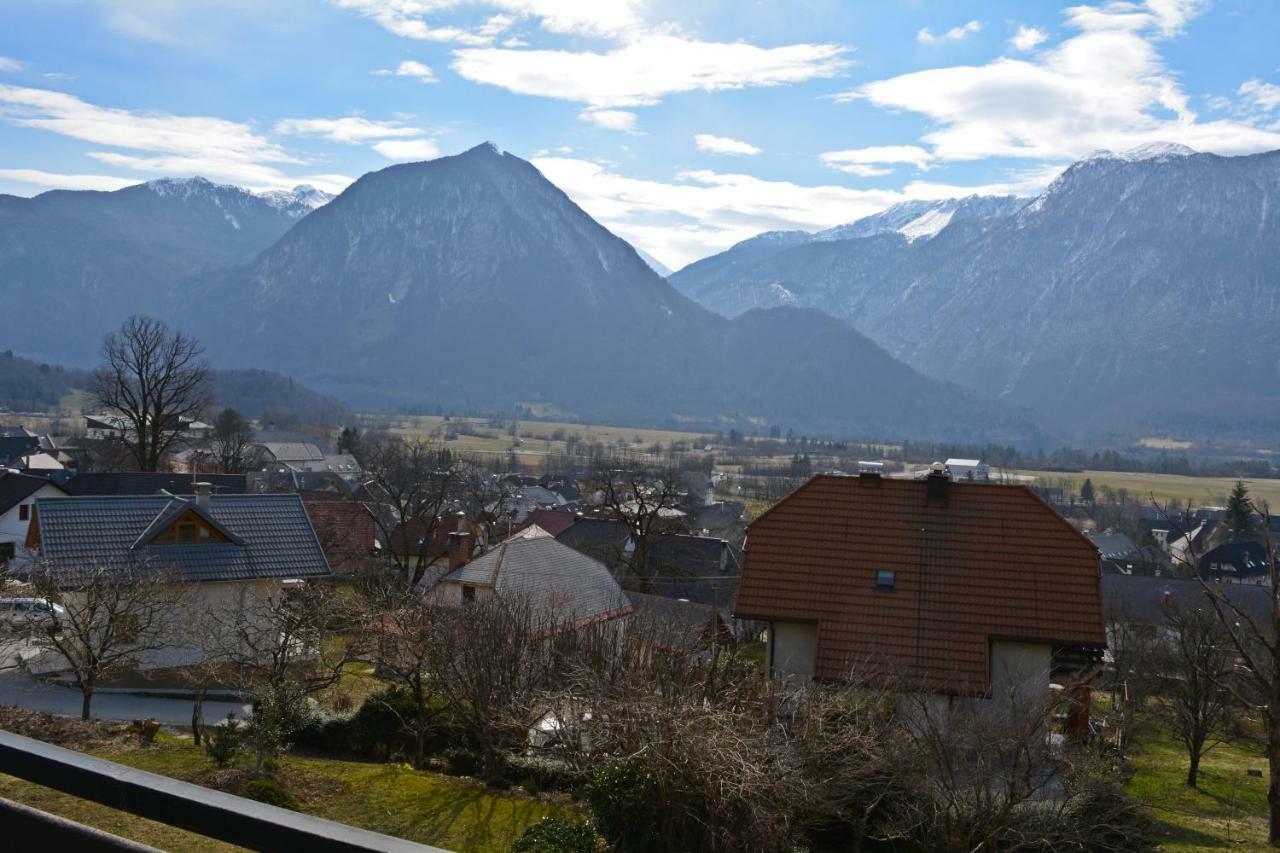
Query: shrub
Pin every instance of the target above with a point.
(223, 742)
(462, 761)
(623, 798)
(556, 835)
(269, 791)
(279, 712)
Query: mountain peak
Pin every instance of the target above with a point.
(1157, 151)
(485, 149)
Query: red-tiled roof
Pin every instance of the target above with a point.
(984, 562)
(345, 528)
(554, 521)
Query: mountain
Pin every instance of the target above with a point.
(76, 263)
(472, 281)
(654, 264)
(1140, 290)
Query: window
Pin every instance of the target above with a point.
(468, 594)
(24, 512)
(886, 579)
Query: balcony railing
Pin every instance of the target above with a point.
(204, 811)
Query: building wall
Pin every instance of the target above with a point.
(793, 649)
(14, 530)
(1019, 673)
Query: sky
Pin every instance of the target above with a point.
(684, 126)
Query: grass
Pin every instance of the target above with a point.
(1228, 810)
(429, 808)
(1202, 490)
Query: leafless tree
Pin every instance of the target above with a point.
(232, 443)
(644, 497)
(151, 377)
(416, 488)
(112, 618)
(298, 634)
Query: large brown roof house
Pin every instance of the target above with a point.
(947, 587)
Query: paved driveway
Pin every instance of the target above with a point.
(17, 688)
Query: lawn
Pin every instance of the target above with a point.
(1228, 810)
(430, 808)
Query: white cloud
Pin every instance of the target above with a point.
(953, 34)
(1259, 96)
(1106, 87)
(7, 64)
(410, 68)
(868, 162)
(611, 119)
(1028, 38)
(646, 69)
(724, 145)
(168, 144)
(407, 149)
(66, 182)
(702, 212)
(348, 129)
(408, 18)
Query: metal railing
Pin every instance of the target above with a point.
(204, 811)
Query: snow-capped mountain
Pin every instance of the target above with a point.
(297, 202)
(917, 220)
(1141, 287)
(472, 280)
(100, 256)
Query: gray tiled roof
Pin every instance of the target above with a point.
(559, 583)
(278, 541)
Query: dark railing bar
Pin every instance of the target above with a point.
(207, 812)
(26, 828)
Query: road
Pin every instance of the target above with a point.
(24, 691)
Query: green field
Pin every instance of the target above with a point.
(1210, 491)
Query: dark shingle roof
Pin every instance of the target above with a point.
(598, 538)
(678, 624)
(11, 447)
(276, 536)
(977, 561)
(15, 488)
(1145, 599)
(149, 483)
(561, 585)
(1235, 560)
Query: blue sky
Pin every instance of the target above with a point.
(683, 126)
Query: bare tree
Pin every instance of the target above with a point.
(232, 443)
(109, 619)
(417, 487)
(644, 497)
(1189, 668)
(409, 634)
(151, 377)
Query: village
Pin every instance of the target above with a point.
(563, 626)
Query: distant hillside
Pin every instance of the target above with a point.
(28, 385)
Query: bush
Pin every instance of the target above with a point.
(539, 773)
(377, 729)
(556, 835)
(462, 761)
(623, 798)
(269, 791)
(279, 712)
(222, 742)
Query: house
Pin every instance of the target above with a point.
(601, 539)
(152, 482)
(232, 550)
(953, 588)
(291, 453)
(968, 469)
(702, 569)
(562, 586)
(678, 625)
(346, 530)
(554, 521)
(1236, 562)
(18, 494)
(15, 447)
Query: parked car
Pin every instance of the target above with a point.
(20, 612)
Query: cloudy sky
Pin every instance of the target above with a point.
(683, 125)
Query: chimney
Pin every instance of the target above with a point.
(203, 491)
(459, 550)
(938, 483)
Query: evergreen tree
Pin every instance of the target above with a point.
(1240, 521)
(1086, 491)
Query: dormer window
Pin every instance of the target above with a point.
(886, 579)
(189, 528)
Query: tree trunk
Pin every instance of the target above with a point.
(1273, 789)
(197, 716)
(1193, 770)
(86, 696)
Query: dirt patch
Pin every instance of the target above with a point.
(82, 735)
